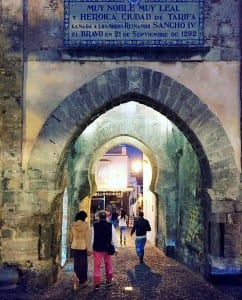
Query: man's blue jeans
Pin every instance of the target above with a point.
(140, 246)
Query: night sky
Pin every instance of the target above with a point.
(134, 152)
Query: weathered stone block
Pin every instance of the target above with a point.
(233, 229)
(163, 93)
(41, 185)
(12, 173)
(7, 234)
(185, 113)
(232, 193)
(14, 184)
(69, 110)
(45, 208)
(222, 206)
(231, 240)
(94, 96)
(238, 205)
(198, 110)
(173, 98)
(12, 255)
(19, 250)
(155, 84)
(224, 164)
(77, 100)
(234, 218)
(115, 89)
(9, 197)
(9, 208)
(21, 245)
(133, 81)
(122, 75)
(232, 251)
(26, 204)
(34, 174)
(217, 217)
(167, 81)
(146, 79)
(225, 172)
(41, 196)
(176, 103)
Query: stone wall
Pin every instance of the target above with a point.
(11, 101)
(192, 217)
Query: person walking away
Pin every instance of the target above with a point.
(140, 227)
(81, 247)
(123, 219)
(114, 218)
(138, 211)
(108, 214)
(103, 234)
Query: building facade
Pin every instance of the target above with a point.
(53, 87)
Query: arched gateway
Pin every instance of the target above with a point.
(219, 174)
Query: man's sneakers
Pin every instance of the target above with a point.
(108, 283)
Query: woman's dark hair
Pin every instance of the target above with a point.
(123, 214)
(81, 215)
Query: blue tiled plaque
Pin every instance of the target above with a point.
(133, 23)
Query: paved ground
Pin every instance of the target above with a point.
(158, 278)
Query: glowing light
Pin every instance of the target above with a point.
(136, 166)
(128, 288)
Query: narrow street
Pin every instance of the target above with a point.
(158, 278)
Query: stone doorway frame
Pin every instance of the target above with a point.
(201, 127)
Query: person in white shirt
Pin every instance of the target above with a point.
(123, 220)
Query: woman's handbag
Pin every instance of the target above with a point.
(110, 249)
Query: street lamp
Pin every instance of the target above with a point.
(136, 166)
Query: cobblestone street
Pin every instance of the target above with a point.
(158, 278)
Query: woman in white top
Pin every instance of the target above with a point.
(123, 219)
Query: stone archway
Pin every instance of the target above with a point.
(120, 126)
(114, 142)
(154, 89)
(90, 156)
(150, 177)
(203, 130)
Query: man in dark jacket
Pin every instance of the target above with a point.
(141, 226)
(103, 234)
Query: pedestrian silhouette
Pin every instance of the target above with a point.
(123, 220)
(103, 234)
(81, 248)
(140, 227)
